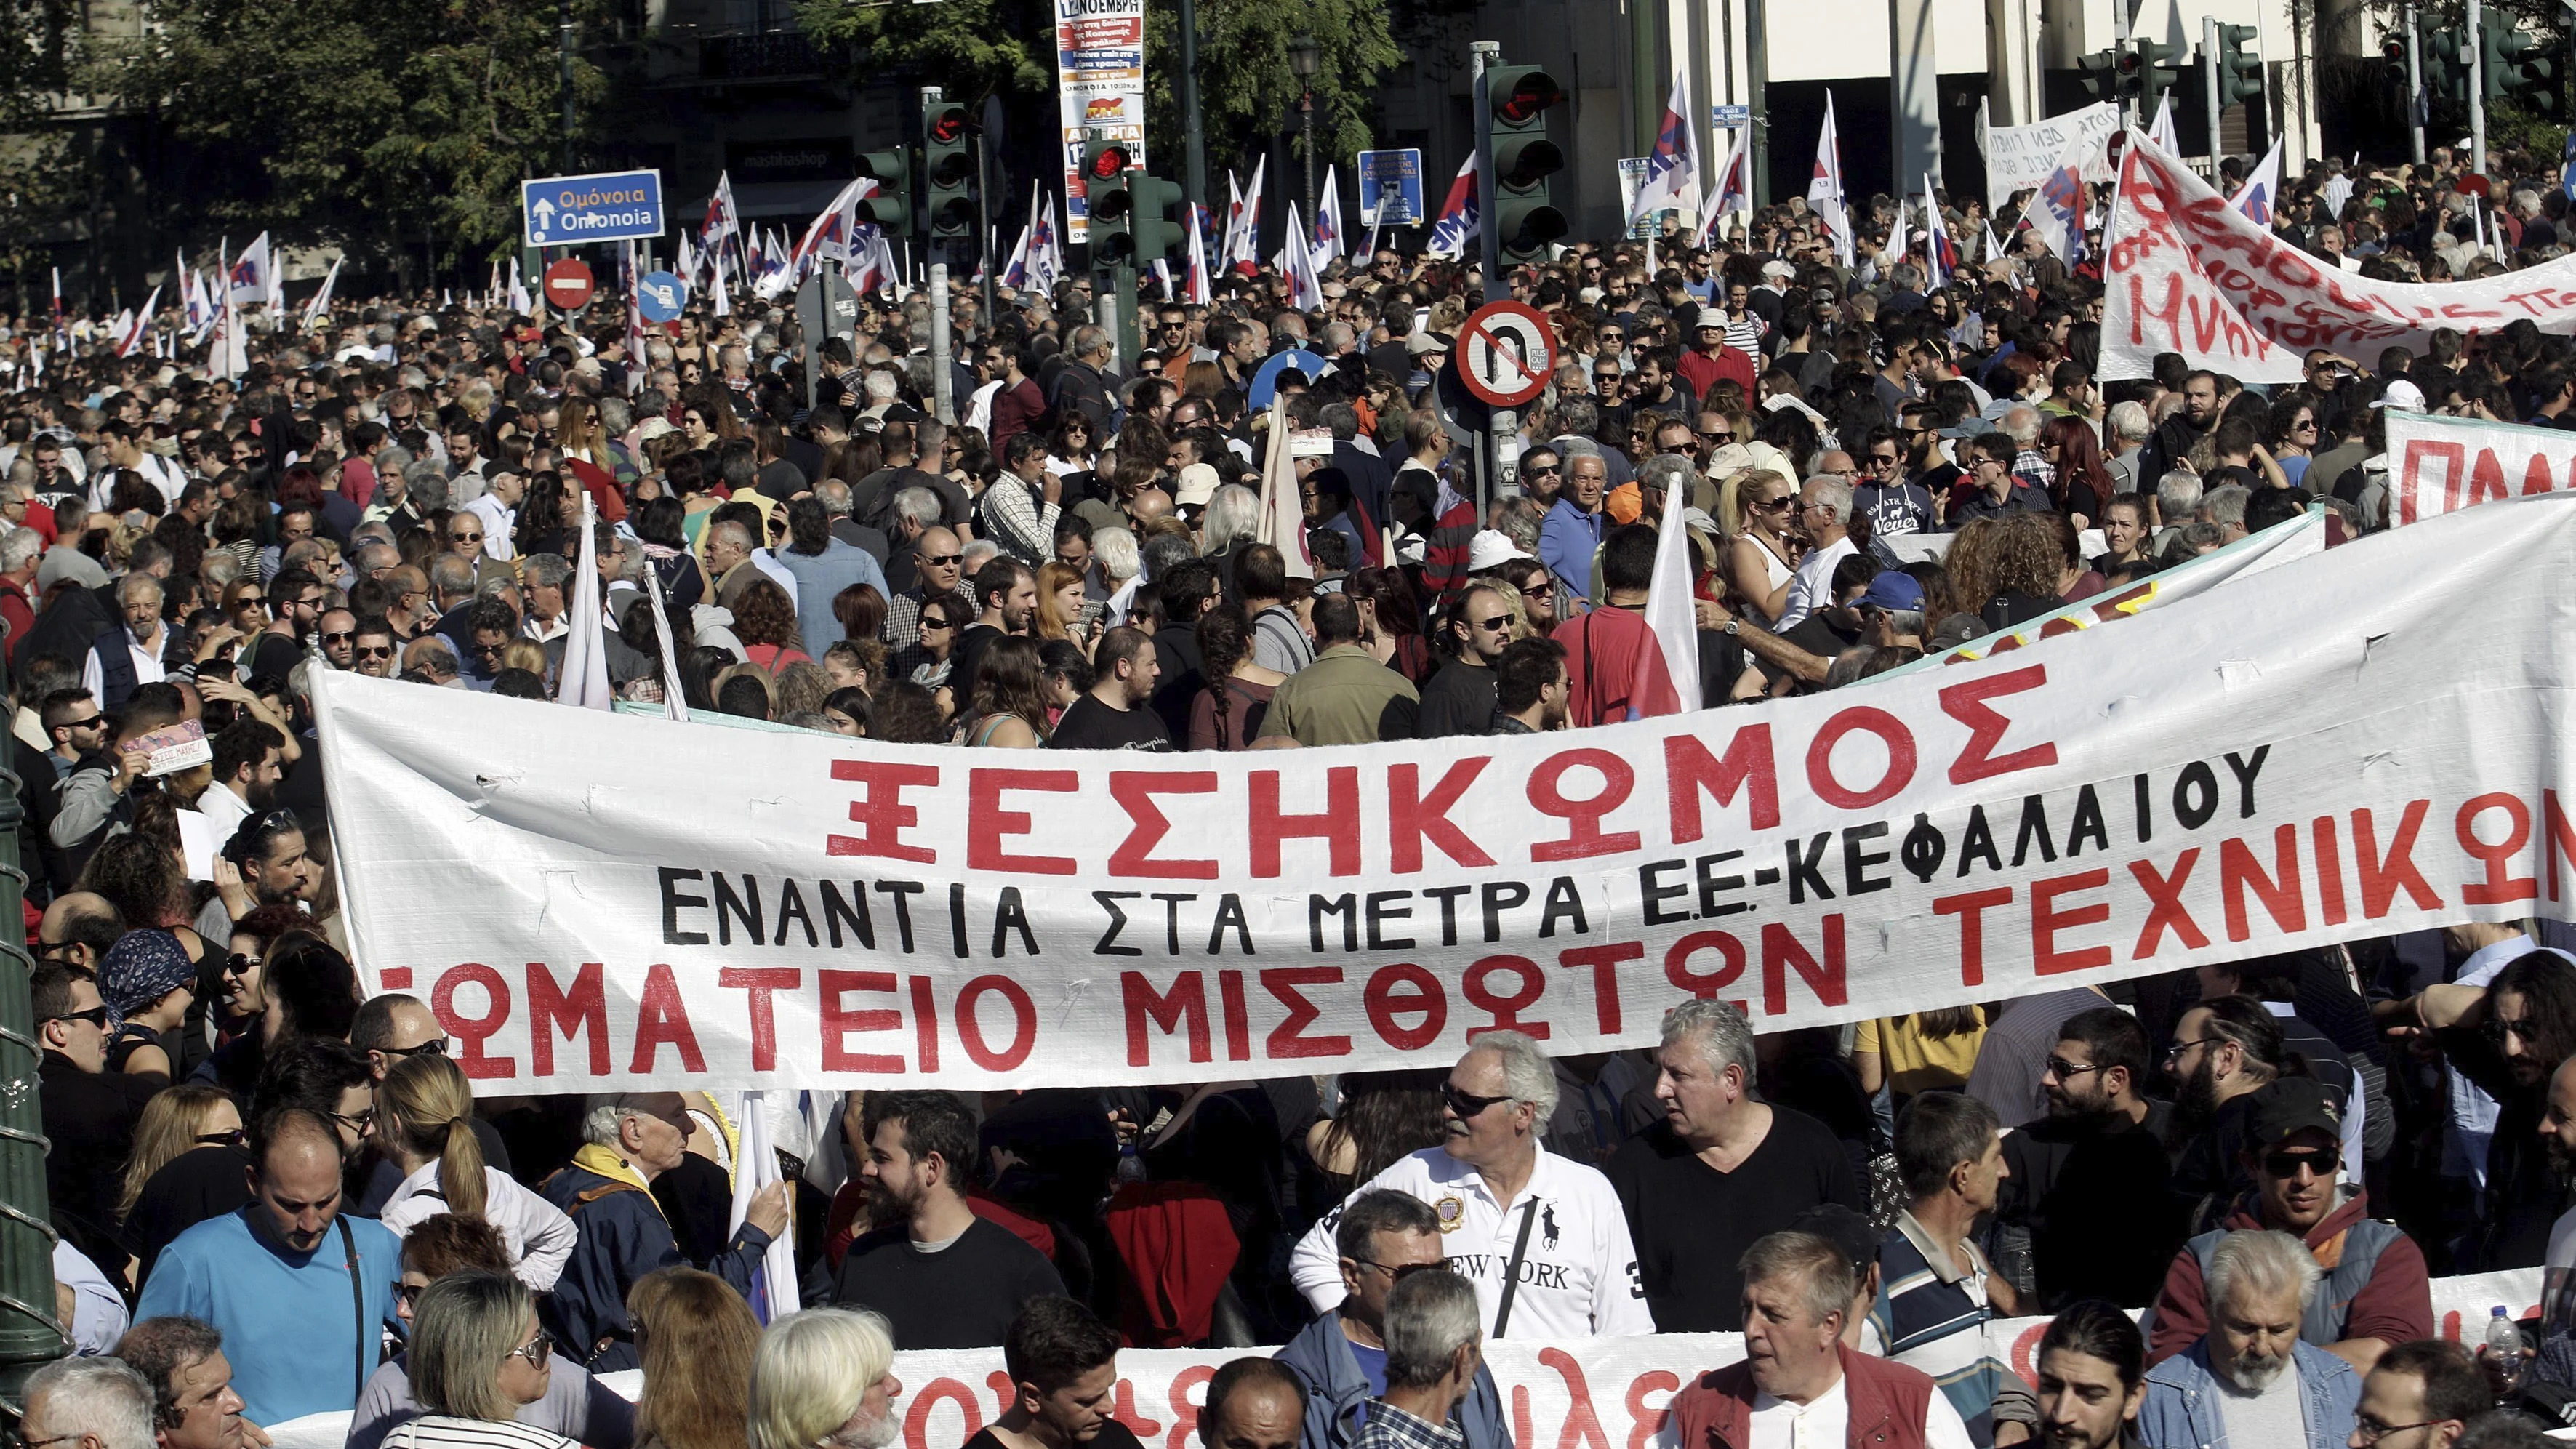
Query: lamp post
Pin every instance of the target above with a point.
(1305, 57)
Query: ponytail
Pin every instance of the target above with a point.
(460, 1169)
(431, 1107)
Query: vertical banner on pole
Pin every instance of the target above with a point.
(1100, 85)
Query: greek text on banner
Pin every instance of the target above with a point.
(2314, 752)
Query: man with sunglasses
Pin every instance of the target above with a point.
(2375, 1292)
(1510, 1211)
(1383, 1237)
(89, 1112)
(1459, 700)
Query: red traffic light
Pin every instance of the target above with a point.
(2131, 62)
(2394, 50)
(1109, 163)
(1534, 91)
(947, 126)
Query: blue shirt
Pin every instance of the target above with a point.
(819, 579)
(298, 1341)
(1567, 539)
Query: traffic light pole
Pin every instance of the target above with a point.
(2209, 79)
(2414, 86)
(1484, 55)
(2477, 92)
(943, 371)
(1194, 135)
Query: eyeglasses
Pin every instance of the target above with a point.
(1397, 1273)
(2174, 1053)
(361, 1122)
(1543, 591)
(945, 560)
(238, 963)
(82, 724)
(1543, 470)
(409, 1292)
(95, 1016)
(2370, 1431)
(342, 637)
(378, 651)
(1466, 1104)
(221, 1139)
(436, 1046)
(2064, 1070)
(1884, 460)
(481, 649)
(1497, 624)
(1767, 505)
(536, 1350)
(928, 623)
(2320, 1161)
(465, 538)
(2500, 1029)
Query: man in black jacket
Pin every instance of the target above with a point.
(1459, 700)
(89, 1112)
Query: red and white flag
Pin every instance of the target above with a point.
(1667, 677)
(1825, 189)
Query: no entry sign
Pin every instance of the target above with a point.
(568, 283)
(1506, 353)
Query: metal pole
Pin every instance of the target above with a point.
(984, 219)
(1306, 126)
(2414, 86)
(29, 1336)
(2477, 92)
(1104, 311)
(1757, 61)
(1645, 17)
(2209, 78)
(1483, 56)
(563, 53)
(943, 370)
(2120, 24)
(1194, 135)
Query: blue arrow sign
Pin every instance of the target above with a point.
(660, 296)
(567, 211)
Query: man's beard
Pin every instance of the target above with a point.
(2197, 1096)
(874, 1433)
(2071, 1436)
(2254, 1375)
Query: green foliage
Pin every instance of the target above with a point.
(1247, 93)
(974, 48)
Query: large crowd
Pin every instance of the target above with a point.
(277, 1197)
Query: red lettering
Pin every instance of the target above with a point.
(882, 816)
(1746, 768)
(1405, 989)
(1582, 1424)
(1288, 1039)
(1185, 1414)
(1605, 961)
(1971, 907)
(584, 1008)
(662, 1019)
(2280, 891)
(1966, 703)
(1238, 1016)
(2559, 842)
(2501, 884)
(1506, 1010)
(1185, 1003)
(761, 982)
(1900, 757)
(1412, 817)
(1584, 835)
(916, 1416)
(1783, 952)
(472, 1032)
(1134, 790)
(970, 1027)
(2535, 477)
(925, 1023)
(1338, 826)
(840, 1023)
(1646, 1423)
(2046, 920)
(2410, 476)
(987, 822)
(2165, 910)
(1705, 984)
(1123, 1408)
(2383, 877)
(2486, 478)
(2329, 851)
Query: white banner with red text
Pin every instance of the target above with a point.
(2018, 158)
(2188, 273)
(2439, 465)
(2317, 752)
(1602, 1393)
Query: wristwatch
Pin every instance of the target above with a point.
(1733, 627)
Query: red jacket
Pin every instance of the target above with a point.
(1698, 370)
(2395, 1305)
(1887, 1404)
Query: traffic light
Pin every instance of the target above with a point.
(891, 207)
(2516, 67)
(1109, 203)
(2392, 56)
(2149, 69)
(1153, 206)
(1526, 218)
(948, 165)
(2447, 72)
(2100, 74)
(2240, 72)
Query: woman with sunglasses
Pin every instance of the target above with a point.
(2295, 431)
(1072, 448)
(477, 1357)
(177, 1121)
(1759, 563)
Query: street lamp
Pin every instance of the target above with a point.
(1305, 57)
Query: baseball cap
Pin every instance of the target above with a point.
(1894, 590)
(2289, 1105)
(1198, 485)
(1489, 547)
(1778, 269)
(1422, 342)
(1711, 317)
(2402, 395)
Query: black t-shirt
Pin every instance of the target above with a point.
(2097, 1203)
(1459, 700)
(276, 656)
(1091, 725)
(1112, 1435)
(962, 1296)
(1692, 1223)
(966, 659)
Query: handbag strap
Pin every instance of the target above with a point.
(358, 1294)
(1512, 1274)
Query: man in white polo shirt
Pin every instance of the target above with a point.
(1542, 1238)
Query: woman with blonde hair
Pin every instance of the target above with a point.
(425, 1124)
(178, 1120)
(698, 1340)
(824, 1379)
(476, 1358)
(1759, 562)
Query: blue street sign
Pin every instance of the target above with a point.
(1734, 116)
(660, 296)
(567, 211)
(1391, 188)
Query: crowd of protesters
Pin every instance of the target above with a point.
(276, 1197)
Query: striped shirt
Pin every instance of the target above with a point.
(1932, 1315)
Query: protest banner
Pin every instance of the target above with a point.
(2188, 273)
(2439, 465)
(593, 902)
(2018, 158)
(1601, 1393)
(1099, 87)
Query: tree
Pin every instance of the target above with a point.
(1248, 94)
(974, 48)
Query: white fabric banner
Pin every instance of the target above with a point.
(2439, 465)
(2188, 273)
(595, 902)
(1602, 1393)
(2018, 158)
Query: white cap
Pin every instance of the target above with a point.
(1198, 485)
(2402, 395)
(1712, 317)
(1489, 547)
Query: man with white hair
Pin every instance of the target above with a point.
(130, 654)
(1543, 1239)
(824, 1379)
(2250, 1381)
(2127, 429)
(87, 1403)
(1824, 517)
